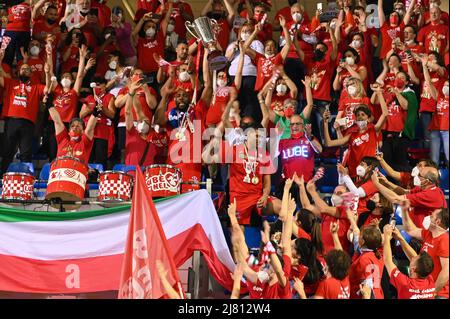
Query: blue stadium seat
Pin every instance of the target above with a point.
(270, 218)
(98, 167)
(43, 176)
(444, 180)
(329, 180)
(124, 168)
(398, 216)
(21, 167)
(405, 235)
(252, 236)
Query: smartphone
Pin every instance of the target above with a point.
(63, 27)
(319, 6)
(147, 79)
(94, 12)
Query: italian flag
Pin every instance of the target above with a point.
(81, 252)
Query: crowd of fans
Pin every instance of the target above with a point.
(82, 81)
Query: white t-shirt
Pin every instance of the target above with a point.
(249, 68)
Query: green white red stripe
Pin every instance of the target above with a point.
(81, 252)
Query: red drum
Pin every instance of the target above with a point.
(163, 180)
(67, 180)
(114, 186)
(18, 186)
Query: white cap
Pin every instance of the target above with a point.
(93, 85)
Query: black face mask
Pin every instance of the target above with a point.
(215, 15)
(371, 205)
(318, 55)
(51, 22)
(246, 125)
(24, 78)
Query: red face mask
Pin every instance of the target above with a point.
(399, 83)
(74, 136)
(288, 112)
(258, 16)
(393, 20)
(297, 135)
(98, 91)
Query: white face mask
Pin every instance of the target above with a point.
(409, 42)
(221, 83)
(112, 65)
(417, 181)
(150, 32)
(143, 128)
(268, 56)
(361, 124)
(415, 171)
(351, 90)
(66, 83)
(245, 36)
(360, 171)
(183, 76)
(336, 200)
(445, 90)
(350, 60)
(356, 44)
(34, 50)
(107, 36)
(297, 17)
(263, 276)
(170, 28)
(426, 222)
(281, 89)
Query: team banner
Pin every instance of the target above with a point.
(80, 252)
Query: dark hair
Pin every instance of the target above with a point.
(76, 119)
(408, 78)
(412, 27)
(443, 216)
(338, 262)
(439, 59)
(99, 79)
(424, 265)
(428, 162)
(308, 257)
(141, 32)
(354, 52)
(372, 238)
(396, 55)
(371, 161)
(364, 108)
(68, 40)
(51, 7)
(311, 225)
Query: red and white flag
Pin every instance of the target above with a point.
(146, 243)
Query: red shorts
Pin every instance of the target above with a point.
(244, 216)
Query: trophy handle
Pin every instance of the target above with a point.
(214, 25)
(191, 29)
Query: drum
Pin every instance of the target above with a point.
(19, 186)
(67, 181)
(114, 186)
(163, 180)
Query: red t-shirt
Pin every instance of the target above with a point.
(406, 180)
(347, 105)
(135, 146)
(66, 103)
(424, 202)
(265, 68)
(434, 37)
(278, 102)
(444, 17)
(7, 70)
(37, 69)
(366, 266)
(345, 75)
(42, 28)
(224, 34)
(437, 248)
(23, 99)
(396, 115)
(427, 103)
(321, 73)
(140, 94)
(67, 147)
(344, 225)
(241, 186)
(102, 129)
(145, 50)
(440, 118)
(215, 111)
(72, 61)
(275, 291)
(302, 234)
(332, 288)
(389, 33)
(412, 288)
(370, 190)
(102, 61)
(415, 48)
(148, 5)
(19, 18)
(360, 144)
(297, 155)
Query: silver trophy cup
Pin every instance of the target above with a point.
(204, 29)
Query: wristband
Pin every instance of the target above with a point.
(131, 94)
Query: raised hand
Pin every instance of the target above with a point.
(326, 116)
(311, 186)
(292, 206)
(232, 208)
(83, 52)
(342, 169)
(334, 228)
(282, 21)
(288, 184)
(307, 81)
